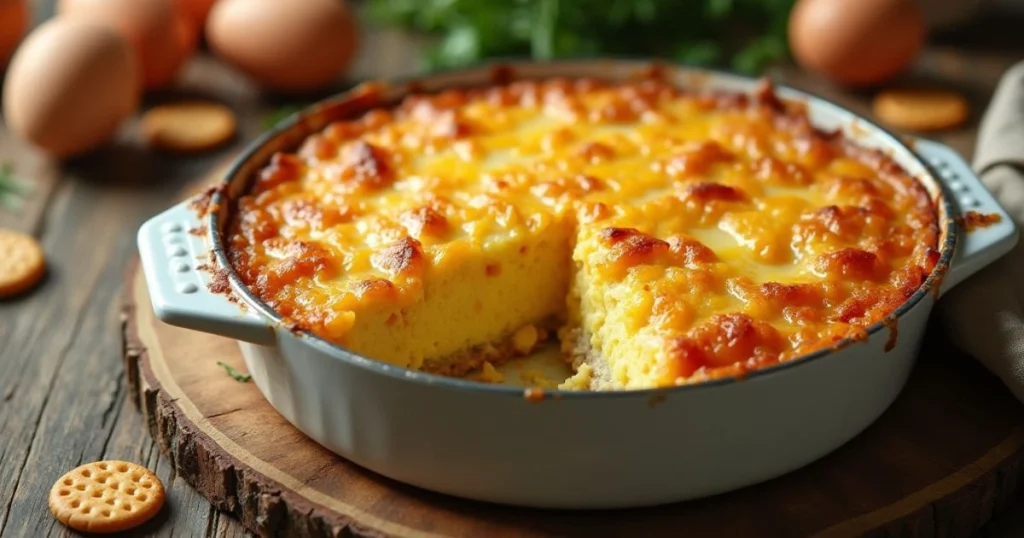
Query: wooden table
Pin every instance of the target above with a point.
(62, 388)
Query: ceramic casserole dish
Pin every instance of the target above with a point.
(565, 449)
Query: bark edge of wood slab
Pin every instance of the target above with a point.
(941, 461)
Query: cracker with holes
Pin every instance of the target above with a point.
(106, 496)
(22, 262)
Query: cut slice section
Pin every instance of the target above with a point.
(646, 312)
(632, 294)
(471, 304)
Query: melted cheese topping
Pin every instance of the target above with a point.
(673, 236)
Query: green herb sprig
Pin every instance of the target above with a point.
(278, 114)
(243, 378)
(12, 190)
(744, 35)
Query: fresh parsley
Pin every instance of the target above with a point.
(12, 190)
(235, 373)
(279, 114)
(744, 35)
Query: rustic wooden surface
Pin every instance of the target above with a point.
(63, 393)
(248, 460)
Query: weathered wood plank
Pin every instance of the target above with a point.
(228, 527)
(63, 392)
(64, 387)
(38, 172)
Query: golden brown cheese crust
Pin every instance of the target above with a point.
(788, 239)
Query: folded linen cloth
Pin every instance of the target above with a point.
(984, 315)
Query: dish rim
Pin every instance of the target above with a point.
(220, 200)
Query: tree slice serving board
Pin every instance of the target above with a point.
(940, 461)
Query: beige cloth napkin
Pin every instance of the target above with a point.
(984, 315)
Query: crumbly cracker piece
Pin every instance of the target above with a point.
(189, 126)
(921, 109)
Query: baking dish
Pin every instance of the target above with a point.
(561, 449)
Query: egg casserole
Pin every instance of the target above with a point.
(664, 236)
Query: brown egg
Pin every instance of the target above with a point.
(186, 31)
(287, 46)
(13, 22)
(196, 10)
(159, 33)
(69, 86)
(856, 43)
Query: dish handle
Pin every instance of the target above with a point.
(983, 245)
(172, 261)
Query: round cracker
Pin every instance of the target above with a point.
(188, 126)
(921, 109)
(22, 262)
(106, 496)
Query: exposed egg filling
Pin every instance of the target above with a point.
(664, 236)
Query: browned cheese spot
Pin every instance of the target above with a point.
(366, 164)
(630, 247)
(283, 168)
(848, 263)
(708, 191)
(697, 159)
(424, 221)
(377, 288)
(403, 257)
(690, 251)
